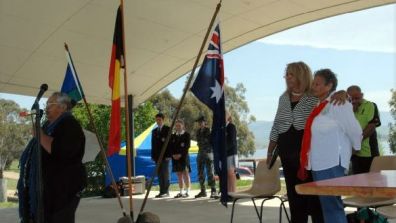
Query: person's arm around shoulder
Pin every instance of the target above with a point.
(346, 119)
(339, 97)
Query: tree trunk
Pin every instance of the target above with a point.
(3, 190)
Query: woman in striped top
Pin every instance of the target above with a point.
(294, 107)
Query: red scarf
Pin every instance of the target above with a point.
(306, 142)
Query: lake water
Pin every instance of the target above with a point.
(262, 153)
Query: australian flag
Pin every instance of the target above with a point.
(208, 87)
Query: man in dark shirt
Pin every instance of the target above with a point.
(64, 175)
(232, 152)
(158, 138)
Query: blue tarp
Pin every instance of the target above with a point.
(144, 165)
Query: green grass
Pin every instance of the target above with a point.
(11, 184)
(14, 166)
(10, 204)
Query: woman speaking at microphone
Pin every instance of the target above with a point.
(64, 175)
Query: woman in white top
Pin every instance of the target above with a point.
(331, 132)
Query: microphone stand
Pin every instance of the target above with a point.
(39, 177)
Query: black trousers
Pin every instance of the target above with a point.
(163, 177)
(65, 215)
(361, 164)
(301, 206)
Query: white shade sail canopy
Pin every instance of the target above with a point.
(162, 38)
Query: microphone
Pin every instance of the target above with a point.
(33, 112)
(43, 88)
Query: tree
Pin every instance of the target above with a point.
(392, 127)
(96, 168)
(144, 117)
(165, 103)
(14, 134)
(192, 108)
(237, 105)
(101, 115)
(101, 118)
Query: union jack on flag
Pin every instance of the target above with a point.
(208, 87)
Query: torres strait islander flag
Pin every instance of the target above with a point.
(116, 63)
(208, 87)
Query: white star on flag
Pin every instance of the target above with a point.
(217, 91)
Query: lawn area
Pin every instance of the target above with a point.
(11, 184)
(14, 166)
(8, 204)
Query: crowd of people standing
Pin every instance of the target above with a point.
(318, 131)
(177, 152)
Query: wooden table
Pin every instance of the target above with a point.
(374, 184)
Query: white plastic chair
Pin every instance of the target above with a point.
(265, 185)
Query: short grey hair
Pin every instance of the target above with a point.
(63, 99)
(329, 77)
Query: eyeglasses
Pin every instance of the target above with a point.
(50, 104)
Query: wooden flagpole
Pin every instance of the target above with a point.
(102, 151)
(127, 126)
(179, 107)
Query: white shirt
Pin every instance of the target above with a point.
(335, 131)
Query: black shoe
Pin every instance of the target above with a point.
(230, 199)
(179, 195)
(201, 194)
(185, 195)
(158, 195)
(214, 195)
(164, 195)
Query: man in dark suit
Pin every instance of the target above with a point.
(158, 138)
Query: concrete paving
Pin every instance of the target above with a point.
(185, 210)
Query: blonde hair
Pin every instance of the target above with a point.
(303, 74)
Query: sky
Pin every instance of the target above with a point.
(359, 47)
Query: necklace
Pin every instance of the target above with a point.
(296, 94)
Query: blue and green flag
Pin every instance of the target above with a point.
(71, 84)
